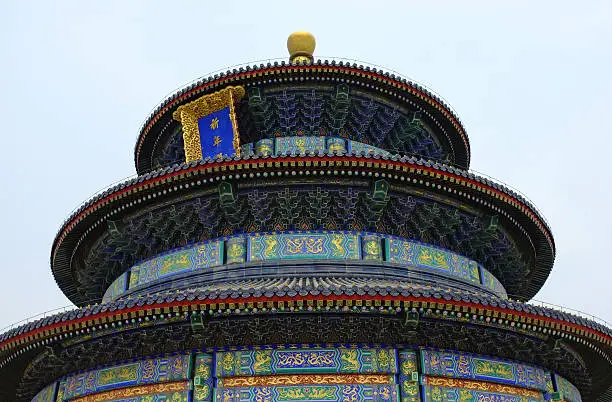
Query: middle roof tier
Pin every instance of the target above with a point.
(304, 183)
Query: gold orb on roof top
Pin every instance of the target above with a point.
(301, 46)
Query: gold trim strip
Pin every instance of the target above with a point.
(305, 379)
(134, 391)
(482, 386)
(232, 106)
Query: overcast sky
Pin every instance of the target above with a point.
(531, 81)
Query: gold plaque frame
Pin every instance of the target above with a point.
(189, 113)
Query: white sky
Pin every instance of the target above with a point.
(531, 81)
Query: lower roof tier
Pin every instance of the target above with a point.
(41, 352)
(398, 196)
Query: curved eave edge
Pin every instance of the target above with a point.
(410, 162)
(219, 80)
(438, 174)
(175, 306)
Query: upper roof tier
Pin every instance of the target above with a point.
(322, 97)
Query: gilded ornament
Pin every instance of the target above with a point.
(263, 360)
(493, 369)
(425, 257)
(384, 359)
(337, 146)
(304, 359)
(337, 241)
(178, 397)
(409, 389)
(270, 245)
(301, 144)
(263, 395)
(301, 46)
(203, 371)
(235, 250)
(463, 365)
(227, 362)
(349, 360)
(118, 374)
(189, 113)
(201, 392)
(408, 366)
(385, 393)
(372, 248)
(264, 147)
(436, 395)
(350, 393)
(304, 245)
(320, 393)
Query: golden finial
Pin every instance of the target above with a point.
(301, 46)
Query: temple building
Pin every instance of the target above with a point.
(305, 230)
